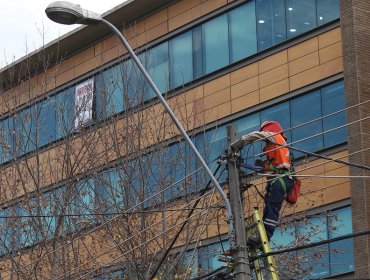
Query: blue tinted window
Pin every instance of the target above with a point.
(216, 143)
(27, 234)
(110, 92)
(319, 261)
(313, 229)
(51, 204)
(304, 109)
(271, 24)
(65, 112)
(208, 257)
(197, 52)
(6, 231)
(110, 192)
(47, 122)
(6, 140)
(248, 124)
(333, 100)
(137, 179)
(341, 252)
(156, 175)
(25, 131)
(190, 263)
(216, 250)
(315, 259)
(215, 44)
(186, 167)
(327, 10)
(135, 85)
(212, 144)
(168, 169)
(283, 238)
(162, 169)
(301, 16)
(84, 203)
(181, 58)
(176, 161)
(243, 39)
(158, 68)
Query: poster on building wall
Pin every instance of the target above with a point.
(84, 97)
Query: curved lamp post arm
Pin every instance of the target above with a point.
(65, 12)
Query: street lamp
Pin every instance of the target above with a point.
(68, 13)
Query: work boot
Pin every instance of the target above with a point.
(254, 241)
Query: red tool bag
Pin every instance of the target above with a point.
(292, 196)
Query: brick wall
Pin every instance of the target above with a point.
(355, 21)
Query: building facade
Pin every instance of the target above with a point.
(96, 180)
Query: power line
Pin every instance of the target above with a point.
(311, 153)
(296, 141)
(312, 136)
(302, 247)
(328, 115)
(182, 227)
(136, 247)
(147, 241)
(105, 214)
(188, 217)
(213, 272)
(196, 244)
(112, 219)
(314, 244)
(317, 165)
(131, 237)
(121, 213)
(328, 158)
(314, 176)
(159, 192)
(321, 118)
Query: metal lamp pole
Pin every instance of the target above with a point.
(68, 13)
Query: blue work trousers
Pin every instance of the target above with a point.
(275, 195)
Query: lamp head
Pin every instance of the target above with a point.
(65, 12)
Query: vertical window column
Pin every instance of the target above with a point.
(271, 23)
(181, 59)
(301, 16)
(215, 44)
(242, 32)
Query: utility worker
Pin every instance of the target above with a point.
(278, 165)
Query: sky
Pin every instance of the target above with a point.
(24, 26)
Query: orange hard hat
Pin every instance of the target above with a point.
(272, 126)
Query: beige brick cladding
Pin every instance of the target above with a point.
(355, 21)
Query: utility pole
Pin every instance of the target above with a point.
(240, 252)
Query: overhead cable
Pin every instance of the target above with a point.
(110, 220)
(314, 244)
(182, 227)
(132, 249)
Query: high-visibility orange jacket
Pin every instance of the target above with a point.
(277, 157)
